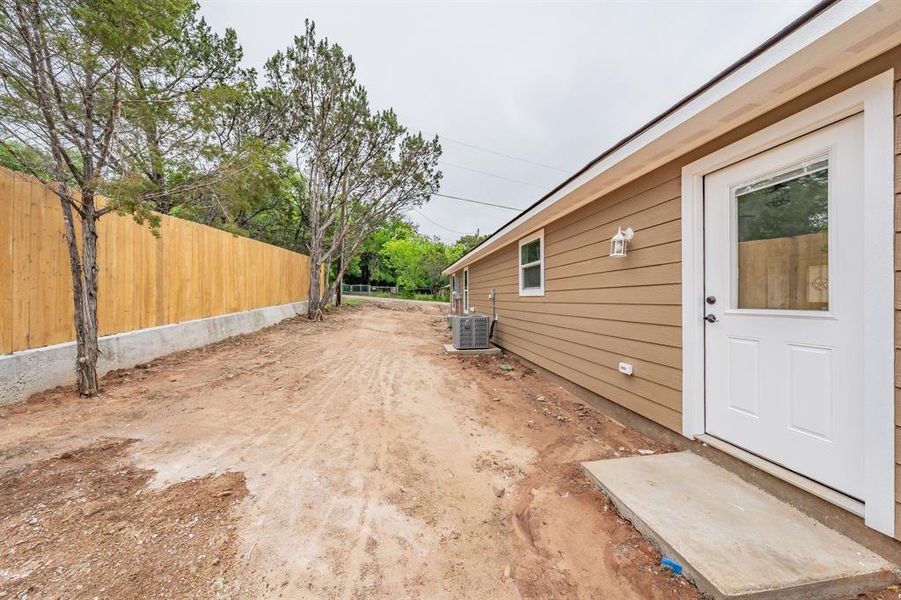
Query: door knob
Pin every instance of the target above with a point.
(710, 318)
(710, 299)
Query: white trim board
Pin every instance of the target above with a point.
(537, 235)
(466, 306)
(808, 485)
(874, 98)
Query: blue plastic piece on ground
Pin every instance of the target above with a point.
(672, 565)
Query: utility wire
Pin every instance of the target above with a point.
(456, 166)
(477, 202)
(439, 224)
(505, 155)
(442, 138)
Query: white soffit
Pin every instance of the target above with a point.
(840, 38)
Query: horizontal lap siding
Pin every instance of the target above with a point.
(598, 311)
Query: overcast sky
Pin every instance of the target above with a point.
(551, 83)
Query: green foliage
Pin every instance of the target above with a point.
(403, 256)
(794, 207)
(146, 104)
(277, 216)
(369, 265)
(468, 242)
(362, 167)
(440, 296)
(191, 123)
(462, 246)
(248, 200)
(117, 27)
(64, 66)
(16, 156)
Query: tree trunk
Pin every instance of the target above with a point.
(314, 301)
(341, 258)
(83, 267)
(340, 280)
(328, 292)
(335, 289)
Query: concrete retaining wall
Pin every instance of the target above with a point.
(30, 371)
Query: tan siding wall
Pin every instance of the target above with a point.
(598, 311)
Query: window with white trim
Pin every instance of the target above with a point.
(531, 264)
(466, 290)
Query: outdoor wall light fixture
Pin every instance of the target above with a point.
(620, 241)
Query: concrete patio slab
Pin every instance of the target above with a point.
(449, 349)
(733, 539)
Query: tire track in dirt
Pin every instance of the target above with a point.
(358, 365)
(299, 457)
(377, 466)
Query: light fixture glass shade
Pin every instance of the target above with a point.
(620, 241)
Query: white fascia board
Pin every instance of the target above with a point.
(843, 26)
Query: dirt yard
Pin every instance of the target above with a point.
(345, 459)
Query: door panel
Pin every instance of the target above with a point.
(744, 376)
(810, 401)
(783, 258)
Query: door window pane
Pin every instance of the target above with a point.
(783, 240)
(531, 277)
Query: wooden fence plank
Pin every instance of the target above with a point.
(190, 271)
(21, 261)
(6, 264)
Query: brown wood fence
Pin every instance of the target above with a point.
(191, 271)
(785, 273)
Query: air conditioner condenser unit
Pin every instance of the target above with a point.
(470, 332)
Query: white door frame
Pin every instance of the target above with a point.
(466, 291)
(874, 98)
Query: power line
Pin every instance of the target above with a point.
(443, 138)
(504, 154)
(477, 202)
(439, 224)
(450, 164)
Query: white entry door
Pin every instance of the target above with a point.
(784, 304)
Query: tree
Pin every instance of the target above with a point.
(361, 167)
(470, 241)
(64, 66)
(12, 149)
(282, 223)
(198, 124)
(404, 256)
(369, 264)
(418, 260)
(180, 83)
(241, 191)
(463, 245)
(397, 253)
